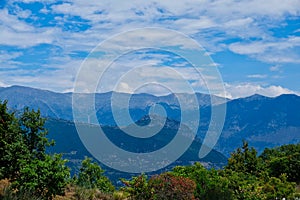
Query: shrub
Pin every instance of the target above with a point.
(167, 186)
(137, 187)
(91, 177)
(209, 183)
(160, 187)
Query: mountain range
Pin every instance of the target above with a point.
(262, 121)
(59, 105)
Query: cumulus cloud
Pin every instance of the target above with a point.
(59, 79)
(15, 32)
(274, 51)
(234, 91)
(190, 17)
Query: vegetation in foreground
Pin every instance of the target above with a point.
(28, 172)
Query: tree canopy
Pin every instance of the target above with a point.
(23, 156)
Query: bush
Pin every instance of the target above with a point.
(137, 187)
(43, 177)
(160, 187)
(209, 183)
(91, 177)
(10, 194)
(167, 186)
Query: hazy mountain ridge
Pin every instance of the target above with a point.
(263, 121)
(59, 105)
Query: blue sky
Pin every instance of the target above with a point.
(255, 44)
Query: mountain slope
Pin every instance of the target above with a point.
(262, 121)
(59, 105)
(51, 104)
(69, 143)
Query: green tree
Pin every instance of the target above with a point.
(24, 160)
(283, 160)
(278, 188)
(91, 177)
(244, 186)
(34, 133)
(45, 178)
(244, 160)
(209, 183)
(252, 177)
(138, 188)
(12, 147)
(197, 173)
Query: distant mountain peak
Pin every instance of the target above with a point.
(257, 97)
(288, 95)
(254, 97)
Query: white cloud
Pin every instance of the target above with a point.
(3, 84)
(274, 8)
(275, 51)
(59, 80)
(252, 48)
(190, 17)
(13, 23)
(234, 91)
(274, 68)
(7, 56)
(259, 76)
(18, 33)
(239, 22)
(191, 26)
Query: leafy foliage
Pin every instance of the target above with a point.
(283, 160)
(91, 176)
(12, 147)
(245, 177)
(137, 187)
(160, 187)
(34, 133)
(44, 177)
(23, 155)
(208, 183)
(244, 160)
(167, 186)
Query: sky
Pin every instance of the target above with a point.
(253, 44)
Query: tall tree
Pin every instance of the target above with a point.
(91, 177)
(12, 146)
(283, 160)
(34, 133)
(244, 160)
(23, 156)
